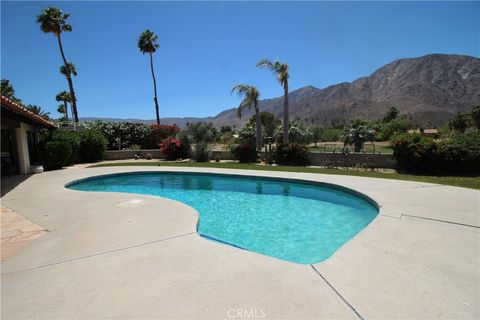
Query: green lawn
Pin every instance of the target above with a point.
(466, 182)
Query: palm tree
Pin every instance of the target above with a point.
(68, 70)
(38, 111)
(63, 96)
(54, 20)
(280, 69)
(250, 97)
(148, 43)
(61, 109)
(8, 91)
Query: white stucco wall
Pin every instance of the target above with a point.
(22, 147)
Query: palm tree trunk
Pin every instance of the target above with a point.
(66, 110)
(70, 82)
(258, 124)
(154, 89)
(286, 121)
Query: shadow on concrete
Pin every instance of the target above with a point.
(10, 183)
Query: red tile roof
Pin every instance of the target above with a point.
(19, 109)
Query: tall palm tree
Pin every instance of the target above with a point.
(280, 69)
(250, 97)
(148, 43)
(38, 111)
(55, 21)
(68, 70)
(63, 96)
(61, 109)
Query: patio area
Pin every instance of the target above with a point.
(113, 255)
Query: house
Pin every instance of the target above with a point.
(433, 133)
(19, 137)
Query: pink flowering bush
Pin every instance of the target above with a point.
(173, 149)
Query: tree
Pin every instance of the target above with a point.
(68, 70)
(475, 115)
(316, 134)
(201, 132)
(148, 43)
(63, 96)
(268, 121)
(357, 133)
(391, 114)
(8, 91)
(38, 111)
(460, 122)
(297, 133)
(281, 71)
(225, 129)
(53, 20)
(250, 95)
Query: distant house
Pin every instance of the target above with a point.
(19, 137)
(433, 133)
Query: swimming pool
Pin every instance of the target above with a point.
(292, 220)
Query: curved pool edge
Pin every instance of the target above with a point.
(335, 187)
(339, 187)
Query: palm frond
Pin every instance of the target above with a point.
(265, 63)
(68, 69)
(53, 20)
(249, 94)
(279, 69)
(148, 42)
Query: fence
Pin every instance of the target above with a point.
(320, 159)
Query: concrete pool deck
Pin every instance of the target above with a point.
(113, 255)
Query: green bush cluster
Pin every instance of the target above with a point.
(292, 154)
(55, 154)
(459, 154)
(92, 146)
(128, 133)
(59, 148)
(245, 153)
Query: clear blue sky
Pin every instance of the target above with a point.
(207, 47)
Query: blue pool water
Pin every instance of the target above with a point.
(298, 222)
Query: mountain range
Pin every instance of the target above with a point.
(428, 90)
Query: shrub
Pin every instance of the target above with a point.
(201, 132)
(92, 146)
(459, 154)
(55, 154)
(201, 153)
(248, 134)
(388, 129)
(173, 149)
(357, 133)
(292, 154)
(297, 133)
(415, 152)
(70, 137)
(161, 132)
(460, 122)
(331, 134)
(185, 141)
(245, 153)
(128, 133)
